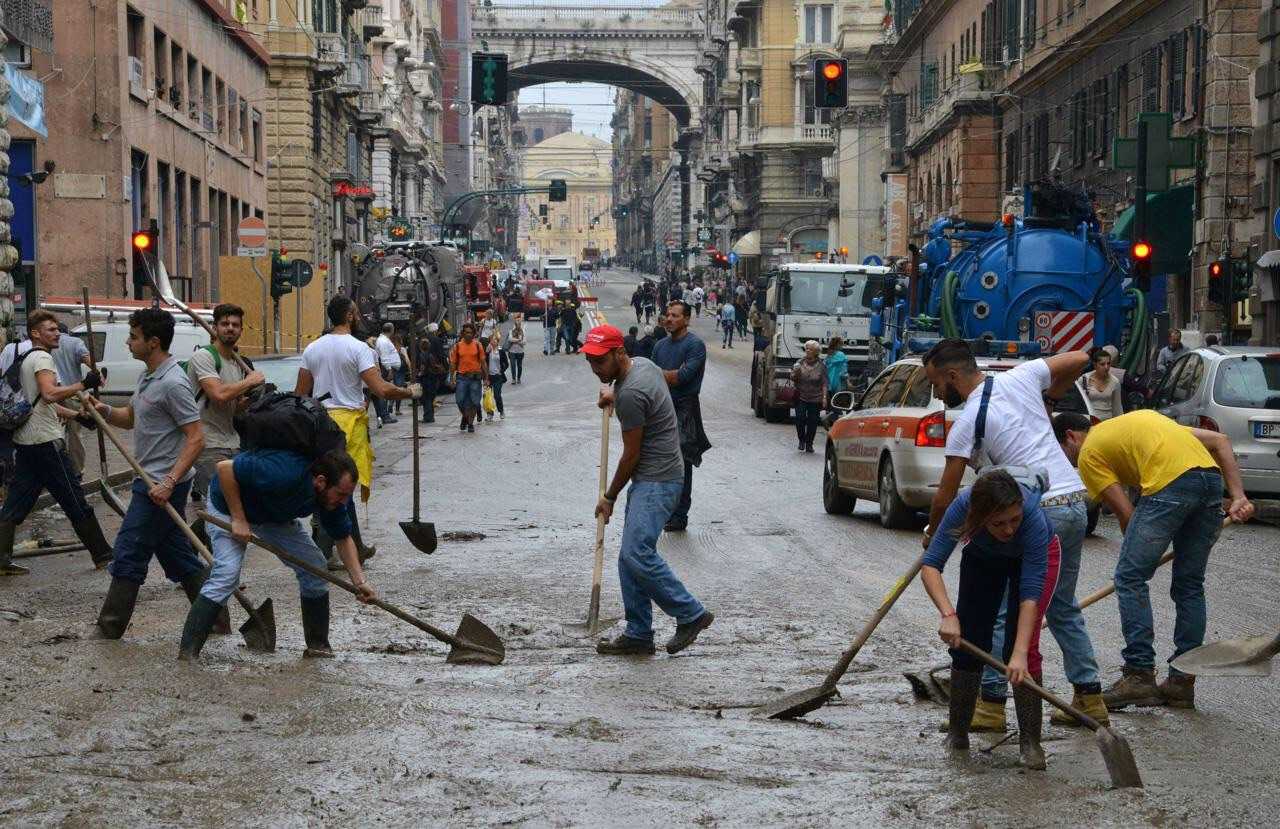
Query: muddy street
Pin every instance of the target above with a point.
(99, 733)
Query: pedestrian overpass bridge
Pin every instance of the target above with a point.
(649, 51)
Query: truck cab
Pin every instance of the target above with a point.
(560, 268)
(811, 301)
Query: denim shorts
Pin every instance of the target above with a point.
(468, 393)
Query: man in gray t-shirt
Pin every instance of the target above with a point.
(651, 462)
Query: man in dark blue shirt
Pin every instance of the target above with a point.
(682, 355)
(265, 492)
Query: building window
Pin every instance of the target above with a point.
(817, 24)
(18, 54)
(160, 61)
(537, 135)
(1122, 101)
(193, 88)
(177, 76)
(1012, 160)
(1078, 128)
(812, 114)
(1151, 80)
(928, 85)
(136, 32)
(1178, 75)
(1042, 146)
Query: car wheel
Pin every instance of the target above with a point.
(834, 499)
(894, 513)
(1095, 510)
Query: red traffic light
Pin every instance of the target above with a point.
(1141, 250)
(832, 70)
(141, 240)
(1215, 270)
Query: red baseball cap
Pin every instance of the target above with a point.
(601, 340)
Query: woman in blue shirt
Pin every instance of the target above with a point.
(837, 365)
(1008, 548)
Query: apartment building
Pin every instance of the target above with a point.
(585, 218)
(646, 181)
(1264, 307)
(156, 112)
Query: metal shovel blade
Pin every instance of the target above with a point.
(585, 630)
(110, 498)
(928, 685)
(1119, 759)
(421, 534)
(259, 631)
(1250, 656)
(795, 705)
(472, 631)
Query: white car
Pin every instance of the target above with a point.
(119, 369)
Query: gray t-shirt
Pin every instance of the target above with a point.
(642, 400)
(162, 405)
(67, 357)
(219, 432)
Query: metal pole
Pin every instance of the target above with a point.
(1140, 185)
(254, 261)
(276, 324)
(297, 337)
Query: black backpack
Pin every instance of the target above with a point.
(283, 420)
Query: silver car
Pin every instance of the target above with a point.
(1234, 390)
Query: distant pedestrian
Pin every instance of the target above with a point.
(637, 303)
(550, 314)
(837, 366)
(729, 322)
(497, 362)
(1170, 352)
(809, 376)
(515, 349)
(401, 375)
(651, 464)
(644, 346)
(698, 296)
(470, 376)
(70, 355)
(682, 355)
(630, 342)
(433, 367)
(389, 359)
(740, 316)
(650, 298)
(1102, 388)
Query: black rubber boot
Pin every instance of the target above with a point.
(89, 531)
(326, 545)
(7, 567)
(964, 697)
(191, 586)
(201, 618)
(315, 627)
(1030, 722)
(366, 553)
(117, 609)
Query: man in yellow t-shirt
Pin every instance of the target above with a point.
(1181, 472)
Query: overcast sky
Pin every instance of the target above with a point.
(592, 104)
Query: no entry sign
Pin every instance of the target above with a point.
(252, 233)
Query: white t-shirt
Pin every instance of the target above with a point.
(698, 294)
(336, 362)
(1018, 431)
(43, 425)
(387, 352)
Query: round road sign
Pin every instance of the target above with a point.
(1043, 320)
(252, 232)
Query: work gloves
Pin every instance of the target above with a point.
(92, 381)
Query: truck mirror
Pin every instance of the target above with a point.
(842, 401)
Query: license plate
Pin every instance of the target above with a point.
(1265, 430)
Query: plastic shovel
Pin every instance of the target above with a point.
(474, 642)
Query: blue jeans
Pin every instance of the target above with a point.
(681, 513)
(644, 576)
(467, 394)
(1188, 514)
(1066, 620)
(44, 466)
(147, 530)
(548, 335)
(228, 557)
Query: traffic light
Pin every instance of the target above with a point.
(1218, 281)
(488, 78)
(1140, 254)
(542, 210)
(559, 191)
(1241, 279)
(831, 83)
(145, 248)
(281, 273)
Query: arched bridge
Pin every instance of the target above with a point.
(650, 51)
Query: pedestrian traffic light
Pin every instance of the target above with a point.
(1241, 279)
(1218, 281)
(281, 273)
(830, 83)
(488, 78)
(1140, 264)
(559, 191)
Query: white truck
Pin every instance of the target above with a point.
(810, 301)
(559, 267)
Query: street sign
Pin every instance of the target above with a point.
(704, 234)
(733, 258)
(1164, 152)
(873, 260)
(252, 235)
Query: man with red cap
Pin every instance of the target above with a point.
(653, 465)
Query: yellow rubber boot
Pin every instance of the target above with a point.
(1091, 704)
(988, 717)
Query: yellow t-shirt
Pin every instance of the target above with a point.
(1142, 448)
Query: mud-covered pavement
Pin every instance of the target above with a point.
(118, 733)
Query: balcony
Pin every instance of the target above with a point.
(354, 5)
(805, 136)
(369, 21)
(331, 54)
(353, 80)
(814, 134)
(369, 107)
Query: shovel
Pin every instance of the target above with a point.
(421, 535)
(104, 475)
(474, 643)
(593, 624)
(159, 275)
(259, 631)
(1250, 656)
(55, 550)
(1115, 749)
(799, 703)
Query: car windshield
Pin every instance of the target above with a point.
(559, 273)
(818, 292)
(1248, 382)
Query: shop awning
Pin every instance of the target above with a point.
(1170, 228)
(748, 245)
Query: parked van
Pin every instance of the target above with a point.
(111, 350)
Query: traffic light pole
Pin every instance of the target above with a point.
(453, 206)
(1140, 186)
(254, 261)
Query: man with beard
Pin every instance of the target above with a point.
(682, 356)
(335, 370)
(1004, 423)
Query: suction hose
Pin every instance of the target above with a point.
(1140, 332)
(950, 326)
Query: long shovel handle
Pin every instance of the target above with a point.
(199, 320)
(846, 658)
(106, 429)
(1102, 592)
(416, 496)
(597, 568)
(321, 573)
(1047, 696)
(93, 364)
